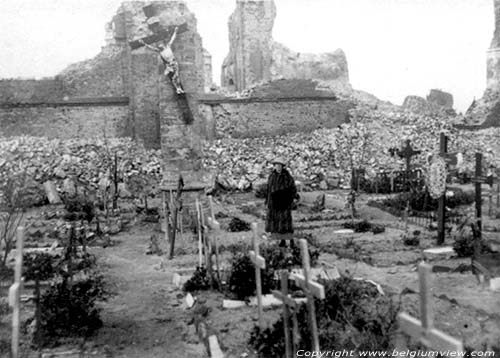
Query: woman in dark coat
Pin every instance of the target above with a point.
(281, 192)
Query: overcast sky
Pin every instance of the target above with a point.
(393, 47)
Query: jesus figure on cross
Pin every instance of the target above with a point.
(169, 60)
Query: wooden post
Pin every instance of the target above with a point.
(311, 289)
(176, 205)
(215, 226)
(200, 235)
(443, 149)
(15, 292)
(259, 264)
(210, 200)
(287, 303)
(166, 214)
(423, 330)
(310, 297)
(479, 179)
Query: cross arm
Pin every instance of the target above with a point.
(432, 338)
(317, 289)
(287, 300)
(258, 261)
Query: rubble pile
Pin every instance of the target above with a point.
(244, 163)
(84, 161)
(239, 163)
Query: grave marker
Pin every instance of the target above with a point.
(443, 149)
(423, 330)
(15, 292)
(199, 227)
(289, 308)
(311, 289)
(215, 226)
(259, 264)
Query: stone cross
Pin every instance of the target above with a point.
(15, 292)
(311, 289)
(289, 307)
(423, 330)
(259, 264)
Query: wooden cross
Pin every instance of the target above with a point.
(423, 330)
(311, 289)
(441, 212)
(15, 292)
(200, 234)
(259, 264)
(289, 307)
(407, 152)
(215, 226)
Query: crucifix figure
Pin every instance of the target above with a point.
(169, 60)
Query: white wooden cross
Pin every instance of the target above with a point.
(259, 264)
(15, 292)
(289, 307)
(423, 330)
(215, 226)
(311, 289)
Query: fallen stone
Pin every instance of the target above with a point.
(344, 232)
(69, 187)
(215, 350)
(267, 301)
(439, 253)
(123, 191)
(176, 280)
(310, 198)
(51, 192)
(495, 284)
(229, 304)
(189, 301)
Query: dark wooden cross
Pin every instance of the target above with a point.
(423, 330)
(407, 152)
(441, 212)
(478, 180)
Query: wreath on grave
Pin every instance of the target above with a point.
(436, 177)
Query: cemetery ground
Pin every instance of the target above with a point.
(146, 315)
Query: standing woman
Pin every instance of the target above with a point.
(281, 192)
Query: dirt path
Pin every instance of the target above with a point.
(145, 317)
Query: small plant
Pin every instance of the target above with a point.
(79, 208)
(12, 209)
(464, 236)
(69, 310)
(412, 239)
(363, 226)
(261, 191)
(354, 315)
(241, 281)
(238, 225)
(200, 281)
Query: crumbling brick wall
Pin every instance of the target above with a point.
(242, 118)
(63, 121)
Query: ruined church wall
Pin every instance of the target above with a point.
(63, 121)
(267, 117)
